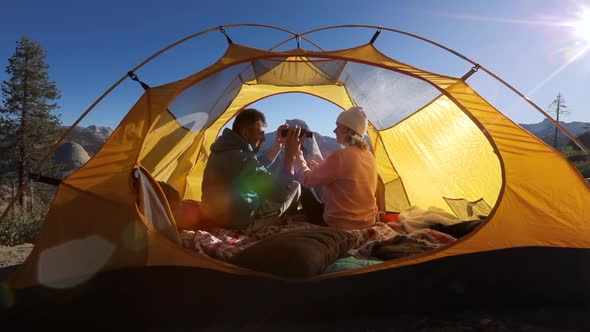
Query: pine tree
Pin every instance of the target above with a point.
(557, 107)
(26, 120)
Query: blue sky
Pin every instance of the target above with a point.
(91, 44)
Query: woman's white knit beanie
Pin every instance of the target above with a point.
(355, 119)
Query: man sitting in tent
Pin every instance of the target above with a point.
(238, 190)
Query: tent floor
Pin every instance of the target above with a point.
(545, 287)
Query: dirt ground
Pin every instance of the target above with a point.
(14, 255)
(532, 319)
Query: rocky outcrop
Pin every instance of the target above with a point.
(71, 155)
(90, 138)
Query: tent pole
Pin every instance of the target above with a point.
(528, 100)
(297, 36)
(520, 94)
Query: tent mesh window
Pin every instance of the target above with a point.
(388, 97)
(199, 105)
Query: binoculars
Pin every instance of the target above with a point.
(304, 133)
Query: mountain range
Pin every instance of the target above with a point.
(84, 142)
(545, 130)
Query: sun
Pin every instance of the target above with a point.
(581, 26)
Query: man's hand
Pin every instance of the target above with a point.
(278, 145)
(280, 140)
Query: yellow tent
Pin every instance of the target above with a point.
(433, 136)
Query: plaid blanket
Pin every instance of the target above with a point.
(389, 232)
(224, 243)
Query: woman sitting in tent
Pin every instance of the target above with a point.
(348, 176)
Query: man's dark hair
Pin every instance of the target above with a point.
(246, 118)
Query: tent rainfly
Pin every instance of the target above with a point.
(433, 137)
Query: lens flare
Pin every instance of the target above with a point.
(6, 296)
(575, 48)
(72, 263)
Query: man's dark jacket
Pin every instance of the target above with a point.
(236, 182)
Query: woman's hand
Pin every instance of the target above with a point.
(312, 164)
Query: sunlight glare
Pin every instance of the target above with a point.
(582, 25)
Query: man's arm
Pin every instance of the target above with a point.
(272, 153)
